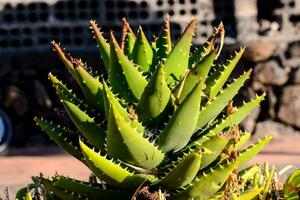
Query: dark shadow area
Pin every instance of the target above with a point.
(266, 8)
(36, 151)
(225, 12)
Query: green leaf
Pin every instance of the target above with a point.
(244, 138)
(89, 191)
(155, 97)
(183, 172)
(142, 52)
(111, 99)
(58, 192)
(124, 76)
(201, 52)
(250, 194)
(199, 72)
(208, 46)
(126, 144)
(247, 174)
(177, 61)
(61, 137)
(65, 58)
(247, 154)
(216, 81)
(235, 118)
(109, 171)
(267, 186)
(164, 42)
(91, 88)
(182, 124)
(208, 184)
(214, 106)
(128, 39)
(62, 91)
(292, 186)
(86, 125)
(216, 145)
(102, 45)
(66, 94)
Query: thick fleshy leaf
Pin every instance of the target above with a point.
(65, 58)
(250, 194)
(182, 124)
(201, 52)
(58, 192)
(128, 39)
(208, 46)
(61, 137)
(216, 81)
(199, 72)
(86, 125)
(155, 97)
(214, 107)
(292, 186)
(126, 144)
(62, 91)
(87, 190)
(235, 118)
(142, 52)
(177, 61)
(247, 174)
(183, 172)
(66, 94)
(164, 42)
(247, 154)
(244, 138)
(215, 145)
(91, 87)
(124, 76)
(268, 185)
(102, 45)
(111, 99)
(109, 171)
(208, 184)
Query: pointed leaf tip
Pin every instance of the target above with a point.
(177, 61)
(65, 58)
(91, 87)
(142, 53)
(103, 46)
(163, 43)
(124, 76)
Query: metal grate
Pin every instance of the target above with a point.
(32, 24)
(281, 17)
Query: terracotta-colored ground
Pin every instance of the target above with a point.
(16, 170)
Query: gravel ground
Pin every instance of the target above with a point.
(17, 168)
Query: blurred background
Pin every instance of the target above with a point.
(269, 28)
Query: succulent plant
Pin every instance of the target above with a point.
(162, 121)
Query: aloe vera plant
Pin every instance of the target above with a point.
(163, 119)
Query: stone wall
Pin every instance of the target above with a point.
(276, 71)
